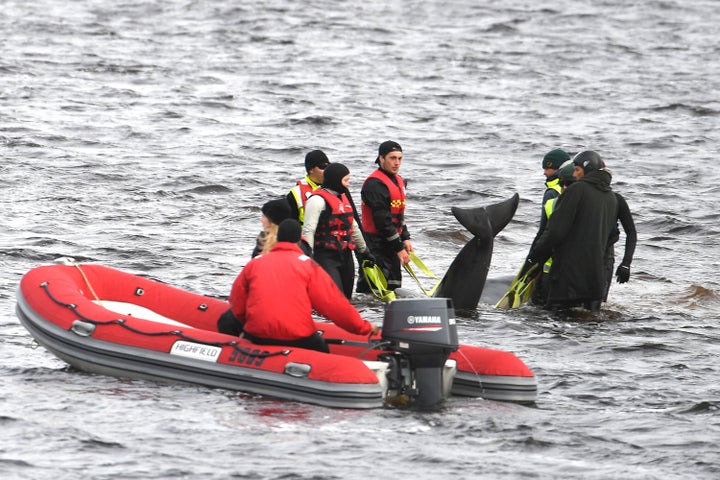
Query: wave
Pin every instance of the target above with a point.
(695, 110)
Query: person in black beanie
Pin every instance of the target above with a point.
(273, 298)
(273, 212)
(289, 231)
(275, 229)
(315, 163)
(330, 230)
(383, 216)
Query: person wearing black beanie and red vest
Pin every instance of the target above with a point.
(383, 216)
(329, 228)
(315, 163)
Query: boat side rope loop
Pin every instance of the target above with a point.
(477, 375)
(177, 333)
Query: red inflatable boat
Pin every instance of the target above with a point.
(102, 320)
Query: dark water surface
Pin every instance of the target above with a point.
(145, 135)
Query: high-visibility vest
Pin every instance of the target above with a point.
(549, 207)
(554, 184)
(301, 192)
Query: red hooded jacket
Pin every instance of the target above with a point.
(275, 294)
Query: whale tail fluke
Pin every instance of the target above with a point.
(465, 279)
(498, 214)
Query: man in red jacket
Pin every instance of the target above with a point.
(275, 294)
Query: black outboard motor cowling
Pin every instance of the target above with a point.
(424, 332)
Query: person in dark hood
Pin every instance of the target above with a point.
(577, 235)
(625, 219)
(330, 228)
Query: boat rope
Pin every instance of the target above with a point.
(372, 345)
(178, 333)
(87, 282)
(479, 380)
(375, 346)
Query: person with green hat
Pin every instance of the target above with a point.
(551, 162)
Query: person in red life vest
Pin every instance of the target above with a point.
(329, 228)
(274, 296)
(383, 216)
(273, 212)
(315, 163)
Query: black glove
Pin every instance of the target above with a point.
(623, 273)
(366, 259)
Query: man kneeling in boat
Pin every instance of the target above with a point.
(273, 297)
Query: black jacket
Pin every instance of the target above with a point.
(628, 225)
(375, 195)
(577, 237)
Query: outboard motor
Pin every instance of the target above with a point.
(421, 334)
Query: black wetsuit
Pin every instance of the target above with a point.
(626, 220)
